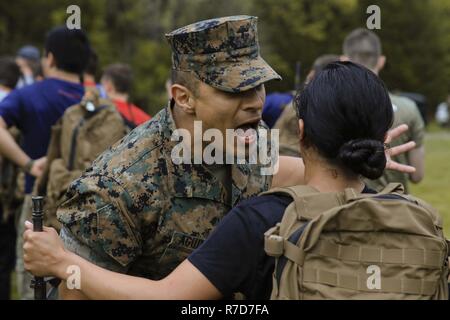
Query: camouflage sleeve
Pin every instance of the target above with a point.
(96, 224)
(99, 258)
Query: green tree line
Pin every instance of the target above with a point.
(415, 36)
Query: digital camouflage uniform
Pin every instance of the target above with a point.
(135, 211)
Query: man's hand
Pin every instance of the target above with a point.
(37, 169)
(391, 152)
(44, 253)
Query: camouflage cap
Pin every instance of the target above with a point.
(222, 52)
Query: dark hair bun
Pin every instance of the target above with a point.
(364, 156)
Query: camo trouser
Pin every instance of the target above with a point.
(23, 277)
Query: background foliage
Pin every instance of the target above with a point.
(415, 35)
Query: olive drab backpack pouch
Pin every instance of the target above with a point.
(358, 246)
(84, 132)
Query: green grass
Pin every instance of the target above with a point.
(14, 294)
(435, 188)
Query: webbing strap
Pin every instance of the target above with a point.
(393, 187)
(293, 253)
(275, 246)
(360, 282)
(429, 258)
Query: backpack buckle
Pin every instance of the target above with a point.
(273, 243)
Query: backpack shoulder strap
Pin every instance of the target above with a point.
(391, 190)
(309, 202)
(293, 191)
(393, 187)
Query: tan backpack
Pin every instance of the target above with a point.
(78, 138)
(358, 246)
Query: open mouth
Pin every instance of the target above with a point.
(246, 132)
(250, 124)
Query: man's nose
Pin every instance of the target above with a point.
(253, 100)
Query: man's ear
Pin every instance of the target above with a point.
(343, 58)
(51, 62)
(380, 63)
(183, 98)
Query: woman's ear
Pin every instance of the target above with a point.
(301, 129)
(183, 98)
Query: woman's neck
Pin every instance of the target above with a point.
(327, 178)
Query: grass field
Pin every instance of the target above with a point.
(14, 295)
(435, 188)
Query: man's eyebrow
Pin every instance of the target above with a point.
(234, 94)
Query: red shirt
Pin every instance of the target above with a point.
(131, 112)
(88, 83)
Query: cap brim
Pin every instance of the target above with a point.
(238, 76)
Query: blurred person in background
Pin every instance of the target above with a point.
(274, 105)
(287, 123)
(364, 47)
(90, 73)
(34, 109)
(9, 76)
(28, 60)
(117, 81)
(443, 113)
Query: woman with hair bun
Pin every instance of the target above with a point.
(344, 117)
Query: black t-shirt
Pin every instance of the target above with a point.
(233, 257)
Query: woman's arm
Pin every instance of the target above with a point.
(44, 255)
